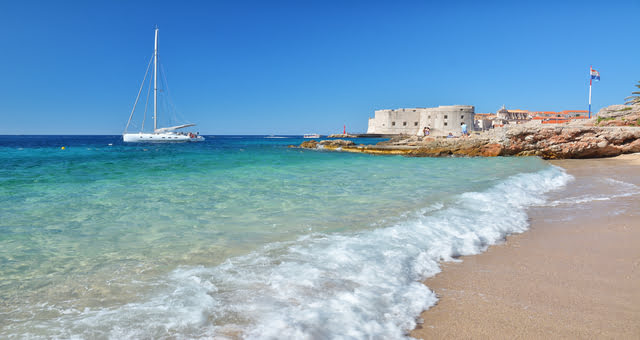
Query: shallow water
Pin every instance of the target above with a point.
(239, 236)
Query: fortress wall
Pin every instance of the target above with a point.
(441, 120)
(371, 128)
(445, 119)
(400, 121)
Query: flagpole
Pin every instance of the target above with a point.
(590, 98)
(590, 81)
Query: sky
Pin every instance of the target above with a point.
(295, 67)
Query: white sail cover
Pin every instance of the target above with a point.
(173, 128)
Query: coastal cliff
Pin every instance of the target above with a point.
(615, 132)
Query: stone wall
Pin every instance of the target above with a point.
(396, 122)
(442, 120)
(447, 119)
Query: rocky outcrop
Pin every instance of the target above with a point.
(556, 142)
(342, 135)
(571, 142)
(619, 115)
(328, 144)
(336, 143)
(309, 144)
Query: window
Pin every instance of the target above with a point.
(445, 123)
(445, 116)
(393, 123)
(404, 123)
(462, 117)
(429, 117)
(415, 123)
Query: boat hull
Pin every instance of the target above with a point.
(160, 138)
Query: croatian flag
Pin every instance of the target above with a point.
(595, 74)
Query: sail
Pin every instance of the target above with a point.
(173, 128)
(164, 134)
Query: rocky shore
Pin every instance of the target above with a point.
(613, 133)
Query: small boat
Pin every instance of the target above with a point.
(311, 135)
(161, 135)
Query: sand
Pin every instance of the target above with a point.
(574, 275)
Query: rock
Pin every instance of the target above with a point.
(491, 150)
(310, 144)
(546, 142)
(341, 135)
(329, 144)
(618, 110)
(572, 142)
(337, 143)
(619, 115)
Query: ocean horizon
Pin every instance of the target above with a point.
(240, 236)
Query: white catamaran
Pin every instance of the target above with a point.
(166, 134)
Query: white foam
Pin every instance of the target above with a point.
(621, 189)
(336, 286)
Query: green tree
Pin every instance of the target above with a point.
(634, 98)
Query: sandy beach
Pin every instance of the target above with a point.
(574, 274)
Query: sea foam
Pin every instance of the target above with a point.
(617, 189)
(364, 284)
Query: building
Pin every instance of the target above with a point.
(552, 117)
(441, 120)
(512, 116)
(502, 117)
(484, 121)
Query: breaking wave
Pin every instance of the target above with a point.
(365, 284)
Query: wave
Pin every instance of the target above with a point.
(358, 285)
(622, 189)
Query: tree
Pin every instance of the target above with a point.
(634, 98)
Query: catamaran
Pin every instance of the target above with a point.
(165, 134)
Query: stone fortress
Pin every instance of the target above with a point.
(442, 120)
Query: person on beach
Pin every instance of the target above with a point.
(426, 131)
(464, 129)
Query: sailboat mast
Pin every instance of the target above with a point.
(155, 83)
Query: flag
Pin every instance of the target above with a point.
(595, 74)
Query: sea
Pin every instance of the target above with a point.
(240, 236)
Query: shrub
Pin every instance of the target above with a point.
(602, 119)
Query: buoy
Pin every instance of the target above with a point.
(62, 148)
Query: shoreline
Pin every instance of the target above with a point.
(557, 142)
(574, 274)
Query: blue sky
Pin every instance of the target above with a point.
(294, 67)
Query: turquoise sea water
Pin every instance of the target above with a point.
(239, 236)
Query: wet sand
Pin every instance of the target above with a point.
(574, 275)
